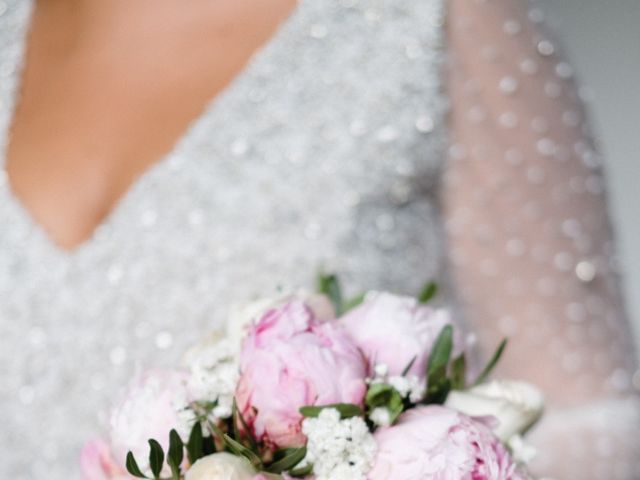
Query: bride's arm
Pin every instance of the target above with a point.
(531, 242)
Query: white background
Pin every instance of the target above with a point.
(602, 40)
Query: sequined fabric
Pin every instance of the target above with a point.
(322, 153)
(530, 238)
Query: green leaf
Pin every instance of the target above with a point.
(208, 446)
(437, 393)
(353, 302)
(438, 385)
(301, 472)
(440, 355)
(133, 468)
(289, 461)
(215, 430)
(194, 445)
(175, 454)
(156, 458)
(382, 395)
(492, 363)
(409, 366)
(239, 449)
(459, 372)
(347, 410)
(429, 291)
(395, 406)
(238, 417)
(282, 452)
(329, 285)
(234, 432)
(378, 395)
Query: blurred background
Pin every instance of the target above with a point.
(602, 40)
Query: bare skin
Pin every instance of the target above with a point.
(108, 89)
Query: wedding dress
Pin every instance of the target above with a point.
(328, 151)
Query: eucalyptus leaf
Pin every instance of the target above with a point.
(156, 458)
(492, 363)
(288, 462)
(346, 410)
(132, 466)
(427, 293)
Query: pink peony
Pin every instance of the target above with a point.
(97, 463)
(393, 330)
(436, 443)
(290, 359)
(150, 409)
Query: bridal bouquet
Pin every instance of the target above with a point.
(312, 386)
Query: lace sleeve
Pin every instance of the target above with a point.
(530, 240)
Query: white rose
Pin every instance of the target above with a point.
(224, 466)
(241, 316)
(516, 405)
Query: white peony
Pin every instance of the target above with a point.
(151, 407)
(516, 405)
(225, 466)
(242, 316)
(221, 466)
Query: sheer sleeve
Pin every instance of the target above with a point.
(530, 240)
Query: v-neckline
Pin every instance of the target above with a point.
(181, 143)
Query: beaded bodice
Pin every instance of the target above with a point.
(322, 153)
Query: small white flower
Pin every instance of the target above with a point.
(409, 387)
(381, 370)
(214, 374)
(401, 384)
(380, 416)
(339, 449)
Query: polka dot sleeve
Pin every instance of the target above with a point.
(530, 239)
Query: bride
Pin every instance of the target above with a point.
(162, 160)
